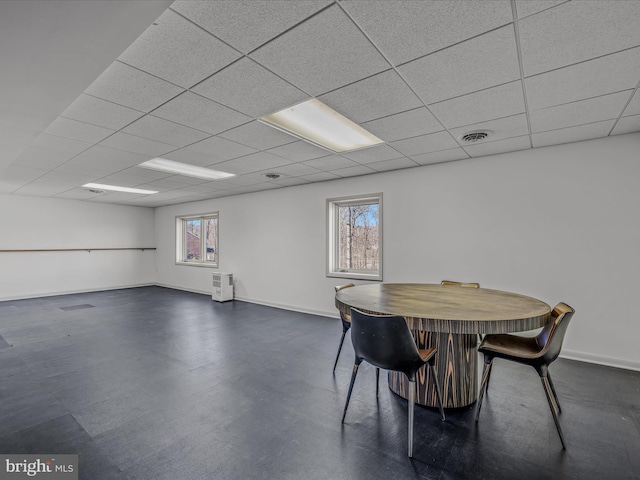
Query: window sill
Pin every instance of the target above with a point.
(197, 264)
(376, 277)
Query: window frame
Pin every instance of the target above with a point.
(180, 250)
(333, 239)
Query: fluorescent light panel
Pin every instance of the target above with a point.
(116, 188)
(319, 124)
(185, 169)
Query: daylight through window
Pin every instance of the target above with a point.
(197, 240)
(355, 237)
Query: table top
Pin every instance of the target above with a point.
(447, 308)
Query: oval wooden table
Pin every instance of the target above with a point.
(448, 318)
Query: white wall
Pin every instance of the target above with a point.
(557, 223)
(45, 223)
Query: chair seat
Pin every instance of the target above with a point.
(426, 353)
(511, 346)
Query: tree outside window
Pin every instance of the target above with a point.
(197, 239)
(355, 226)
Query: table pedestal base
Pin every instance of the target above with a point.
(456, 364)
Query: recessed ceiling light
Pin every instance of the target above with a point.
(321, 125)
(185, 169)
(98, 186)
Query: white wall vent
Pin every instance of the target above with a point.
(222, 287)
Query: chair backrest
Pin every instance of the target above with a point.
(460, 284)
(552, 335)
(384, 341)
(344, 316)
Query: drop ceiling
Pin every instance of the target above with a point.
(190, 88)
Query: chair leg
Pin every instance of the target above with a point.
(377, 381)
(553, 390)
(412, 401)
(344, 332)
(486, 373)
(353, 380)
(549, 393)
(438, 391)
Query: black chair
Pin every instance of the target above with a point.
(386, 342)
(538, 352)
(346, 324)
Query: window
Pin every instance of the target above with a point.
(355, 237)
(197, 240)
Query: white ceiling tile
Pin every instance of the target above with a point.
(139, 145)
(425, 144)
(601, 76)
(627, 125)
(116, 197)
(121, 179)
(502, 128)
(374, 97)
(529, 7)
(166, 183)
(219, 149)
(100, 112)
(144, 175)
(573, 134)
(405, 30)
(60, 144)
(393, 164)
(259, 187)
(441, 156)
(186, 155)
(258, 135)
(492, 58)
(296, 170)
(373, 154)
(592, 110)
(320, 177)
(41, 158)
(476, 107)
(65, 127)
(332, 162)
(251, 163)
(634, 105)
(247, 24)
(132, 88)
(65, 179)
(114, 157)
(290, 182)
(404, 125)
(299, 151)
(500, 146)
(250, 88)
(164, 131)
(41, 188)
(200, 113)
(325, 52)
(178, 51)
(577, 31)
(77, 194)
(353, 171)
(21, 175)
(90, 166)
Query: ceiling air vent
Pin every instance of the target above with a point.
(475, 136)
(95, 190)
(272, 176)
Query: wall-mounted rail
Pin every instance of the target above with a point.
(75, 249)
